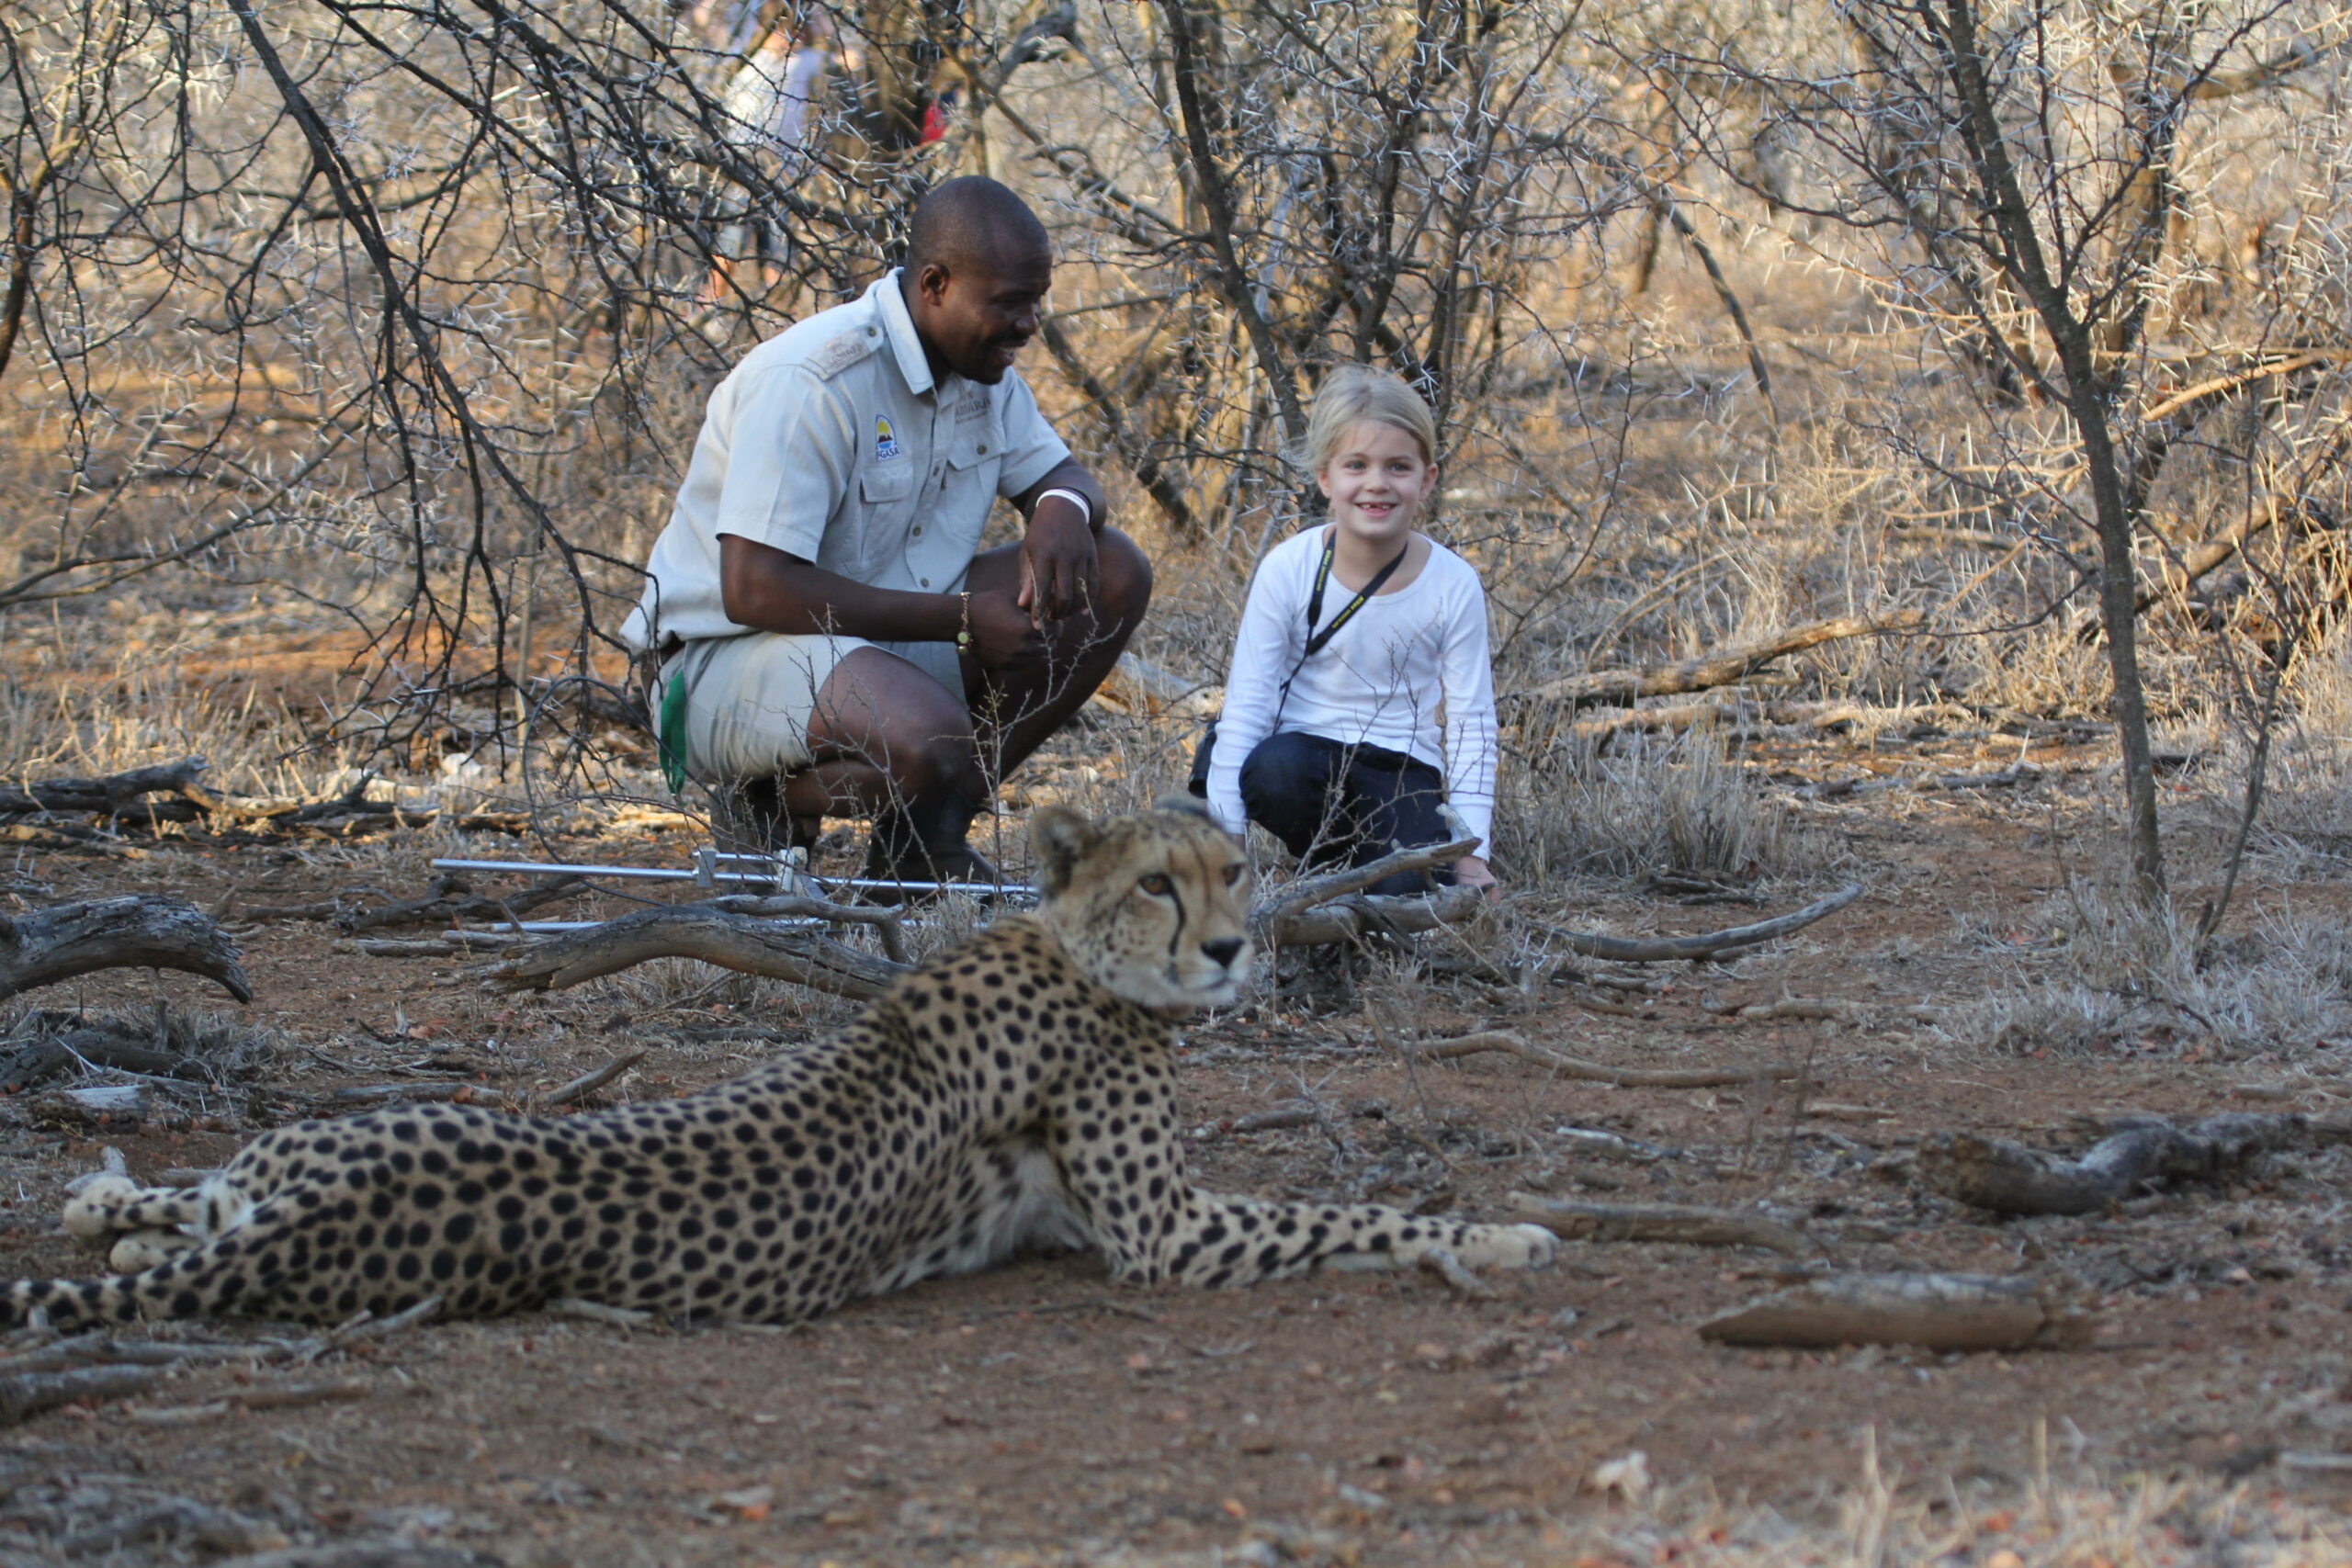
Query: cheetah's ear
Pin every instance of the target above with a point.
(1060, 837)
(1184, 801)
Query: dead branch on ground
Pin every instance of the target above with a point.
(57, 943)
(1939, 1311)
(1707, 944)
(115, 794)
(1595, 1072)
(448, 899)
(29, 1393)
(742, 942)
(1687, 1224)
(1293, 897)
(125, 799)
(1725, 667)
(1356, 915)
(2010, 1179)
(94, 1045)
(589, 1083)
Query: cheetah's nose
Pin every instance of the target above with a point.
(1224, 950)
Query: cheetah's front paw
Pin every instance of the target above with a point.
(141, 1250)
(1508, 1247)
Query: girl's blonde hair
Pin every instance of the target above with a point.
(1352, 393)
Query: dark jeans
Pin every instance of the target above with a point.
(1336, 805)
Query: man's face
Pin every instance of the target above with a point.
(974, 319)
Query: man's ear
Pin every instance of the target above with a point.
(930, 283)
(1059, 837)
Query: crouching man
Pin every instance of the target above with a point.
(830, 638)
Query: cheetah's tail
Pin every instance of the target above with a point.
(165, 1290)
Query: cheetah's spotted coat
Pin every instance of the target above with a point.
(1015, 1090)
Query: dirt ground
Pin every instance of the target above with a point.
(1045, 1413)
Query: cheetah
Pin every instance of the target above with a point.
(1014, 1092)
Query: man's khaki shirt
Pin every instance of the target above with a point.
(830, 442)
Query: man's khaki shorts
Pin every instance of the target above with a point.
(749, 698)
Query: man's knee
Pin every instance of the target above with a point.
(1123, 572)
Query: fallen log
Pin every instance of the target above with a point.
(1729, 666)
(1596, 1072)
(1707, 944)
(741, 942)
(2010, 1179)
(57, 943)
(1683, 1223)
(1936, 1312)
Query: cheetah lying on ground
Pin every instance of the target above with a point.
(1015, 1090)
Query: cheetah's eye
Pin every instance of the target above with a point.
(1233, 874)
(1157, 884)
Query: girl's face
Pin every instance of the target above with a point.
(1377, 483)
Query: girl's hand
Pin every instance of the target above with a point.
(1471, 871)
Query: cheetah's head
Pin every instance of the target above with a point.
(1153, 908)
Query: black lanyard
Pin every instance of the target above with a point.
(1314, 639)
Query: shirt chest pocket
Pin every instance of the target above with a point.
(973, 456)
(883, 486)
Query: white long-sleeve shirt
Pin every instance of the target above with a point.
(1381, 681)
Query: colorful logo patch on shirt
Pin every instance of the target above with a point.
(886, 441)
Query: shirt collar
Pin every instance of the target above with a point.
(891, 306)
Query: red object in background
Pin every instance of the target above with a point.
(935, 120)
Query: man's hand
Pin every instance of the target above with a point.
(1057, 564)
(1004, 636)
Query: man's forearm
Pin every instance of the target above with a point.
(771, 592)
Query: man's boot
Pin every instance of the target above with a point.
(924, 841)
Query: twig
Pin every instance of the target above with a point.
(599, 1311)
(589, 1083)
(1594, 1072)
(1441, 1262)
(1656, 1222)
(409, 1093)
(290, 1396)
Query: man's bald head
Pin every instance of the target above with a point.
(977, 268)
(974, 223)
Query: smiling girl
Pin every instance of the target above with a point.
(1361, 669)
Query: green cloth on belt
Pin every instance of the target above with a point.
(673, 734)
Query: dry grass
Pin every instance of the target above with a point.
(2092, 972)
(1647, 805)
(1877, 1521)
